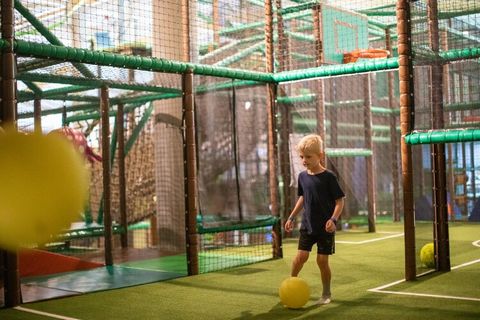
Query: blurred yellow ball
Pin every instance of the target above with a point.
(43, 187)
(427, 255)
(294, 292)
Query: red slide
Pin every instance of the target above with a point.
(39, 263)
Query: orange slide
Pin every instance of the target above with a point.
(39, 262)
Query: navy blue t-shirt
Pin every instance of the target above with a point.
(319, 193)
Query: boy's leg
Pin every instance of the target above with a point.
(299, 261)
(326, 274)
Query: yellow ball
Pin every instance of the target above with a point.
(427, 255)
(43, 187)
(294, 292)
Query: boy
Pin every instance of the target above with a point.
(322, 199)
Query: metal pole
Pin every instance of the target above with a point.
(107, 222)
(407, 108)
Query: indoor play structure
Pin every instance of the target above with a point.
(188, 112)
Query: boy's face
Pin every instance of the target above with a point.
(310, 160)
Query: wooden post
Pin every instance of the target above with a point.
(369, 161)
(8, 110)
(37, 115)
(107, 216)
(190, 167)
(285, 119)
(320, 84)
(272, 132)
(121, 176)
(442, 251)
(393, 136)
(407, 107)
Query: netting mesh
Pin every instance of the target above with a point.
(344, 119)
(356, 113)
(435, 40)
(232, 143)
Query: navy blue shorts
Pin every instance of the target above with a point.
(325, 242)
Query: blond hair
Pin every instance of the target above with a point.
(311, 143)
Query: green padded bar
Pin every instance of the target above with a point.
(462, 106)
(459, 13)
(131, 100)
(32, 86)
(39, 50)
(348, 152)
(26, 96)
(382, 7)
(240, 55)
(460, 54)
(296, 99)
(303, 125)
(226, 85)
(222, 226)
(337, 70)
(81, 107)
(302, 57)
(261, 24)
(90, 230)
(300, 36)
(4, 44)
(50, 78)
(95, 115)
(301, 7)
(442, 136)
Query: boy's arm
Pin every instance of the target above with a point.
(298, 207)
(339, 203)
(331, 226)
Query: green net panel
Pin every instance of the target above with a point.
(232, 173)
(446, 77)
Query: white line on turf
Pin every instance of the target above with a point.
(381, 288)
(466, 264)
(429, 295)
(370, 240)
(476, 243)
(46, 314)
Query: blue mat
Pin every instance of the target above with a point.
(103, 278)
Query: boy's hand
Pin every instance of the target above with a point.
(289, 225)
(330, 226)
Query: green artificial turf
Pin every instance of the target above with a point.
(251, 292)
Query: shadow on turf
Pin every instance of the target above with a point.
(278, 311)
(372, 308)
